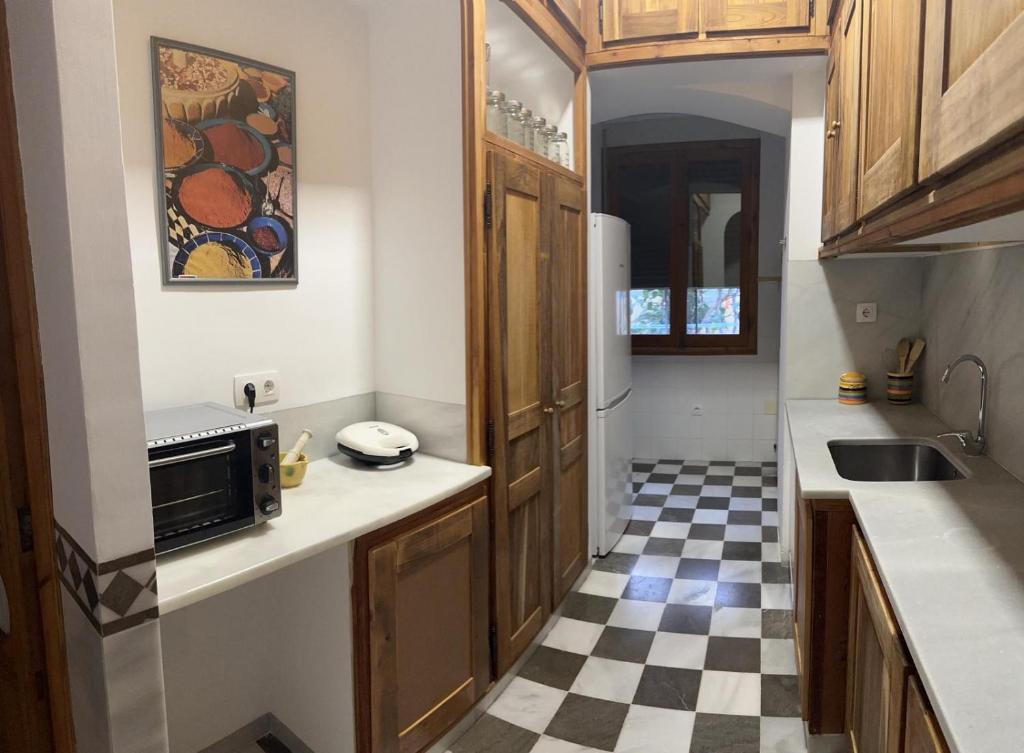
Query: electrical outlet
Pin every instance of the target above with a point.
(267, 384)
(697, 410)
(867, 312)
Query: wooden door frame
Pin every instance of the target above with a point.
(24, 429)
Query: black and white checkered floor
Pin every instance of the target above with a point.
(679, 641)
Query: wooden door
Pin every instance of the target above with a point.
(428, 607)
(571, 11)
(35, 705)
(830, 188)
(565, 204)
(973, 79)
(890, 87)
(802, 585)
(520, 386)
(921, 731)
(877, 668)
(844, 127)
(638, 19)
(755, 15)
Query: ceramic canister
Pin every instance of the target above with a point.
(899, 388)
(852, 388)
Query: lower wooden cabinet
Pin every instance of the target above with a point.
(920, 730)
(421, 612)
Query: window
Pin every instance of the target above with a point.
(692, 210)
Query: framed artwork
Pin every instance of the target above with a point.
(226, 156)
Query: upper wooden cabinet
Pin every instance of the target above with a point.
(973, 78)
(639, 19)
(571, 11)
(755, 15)
(841, 125)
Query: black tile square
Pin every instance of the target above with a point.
(721, 463)
(770, 535)
(650, 500)
(721, 733)
(664, 547)
(718, 480)
(776, 623)
(685, 618)
(639, 527)
(741, 550)
(691, 469)
(624, 644)
(637, 486)
(696, 569)
(746, 491)
(661, 478)
(774, 572)
(744, 518)
(671, 462)
(592, 722)
(644, 588)
(686, 490)
(588, 607)
(770, 464)
(770, 504)
(495, 736)
(676, 515)
(713, 503)
(738, 595)
(643, 467)
(780, 695)
(733, 654)
(742, 471)
(668, 688)
(552, 667)
(615, 562)
(706, 532)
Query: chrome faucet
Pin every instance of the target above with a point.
(973, 444)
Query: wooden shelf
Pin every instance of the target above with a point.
(519, 150)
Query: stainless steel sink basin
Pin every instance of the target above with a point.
(858, 460)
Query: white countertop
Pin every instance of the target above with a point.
(951, 557)
(338, 501)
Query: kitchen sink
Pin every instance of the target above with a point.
(908, 460)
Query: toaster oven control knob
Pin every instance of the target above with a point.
(266, 441)
(269, 505)
(266, 473)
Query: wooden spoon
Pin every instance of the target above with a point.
(915, 353)
(903, 350)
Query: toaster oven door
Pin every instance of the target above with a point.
(201, 490)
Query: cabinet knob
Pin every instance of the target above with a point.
(560, 403)
(830, 134)
(836, 125)
(549, 409)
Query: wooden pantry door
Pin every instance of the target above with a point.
(565, 206)
(520, 369)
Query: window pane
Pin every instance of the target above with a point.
(715, 244)
(649, 311)
(645, 202)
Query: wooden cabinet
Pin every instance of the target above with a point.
(973, 77)
(537, 293)
(571, 11)
(890, 87)
(421, 607)
(755, 15)
(640, 19)
(877, 666)
(920, 730)
(822, 602)
(831, 187)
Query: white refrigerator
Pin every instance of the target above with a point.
(611, 423)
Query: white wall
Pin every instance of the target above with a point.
(318, 333)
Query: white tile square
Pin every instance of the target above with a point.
(737, 693)
(778, 656)
(527, 704)
(770, 552)
(656, 488)
(736, 622)
(600, 583)
(576, 636)
(716, 491)
(746, 481)
(553, 745)
(608, 679)
(703, 550)
(776, 596)
(630, 544)
(656, 566)
(676, 500)
(782, 735)
(742, 533)
(717, 517)
(638, 615)
(690, 480)
(739, 571)
(645, 512)
(672, 468)
(652, 730)
(693, 592)
(770, 518)
(745, 503)
(678, 650)
(666, 530)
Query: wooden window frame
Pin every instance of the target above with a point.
(679, 156)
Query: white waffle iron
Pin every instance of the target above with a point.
(377, 443)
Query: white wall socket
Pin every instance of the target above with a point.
(697, 410)
(267, 384)
(867, 312)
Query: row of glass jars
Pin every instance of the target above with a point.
(508, 117)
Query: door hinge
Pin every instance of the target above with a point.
(490, 437)
(25, 528)
(600, 17)
(810, 8)
(487, 206)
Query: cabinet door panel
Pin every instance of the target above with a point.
(520, 383)
(636, 19)
(569, 363)
(755, 15)
(921, 732)
(845, 125)
(829, 193)
(890, 83)
(973, 76)
(571, 10)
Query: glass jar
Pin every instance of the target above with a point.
(563, 151)
(540, 138)
(514, 120)
(551, 145)
(527, 116)
(495, 112)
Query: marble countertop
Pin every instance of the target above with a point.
(339, 500)
(951, 557)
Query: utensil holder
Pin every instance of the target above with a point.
(899, 388)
